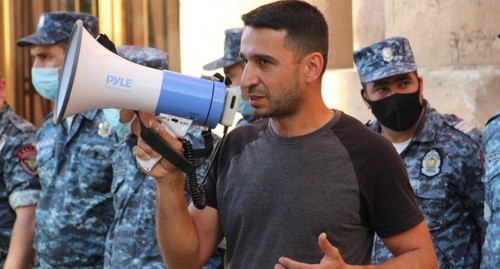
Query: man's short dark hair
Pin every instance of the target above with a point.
(307, 30)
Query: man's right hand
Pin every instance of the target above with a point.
(143, 151)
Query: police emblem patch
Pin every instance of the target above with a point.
(104, 129)
(27, 159)
(431, 163)
(387, 54)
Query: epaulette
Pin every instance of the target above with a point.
(463, 126)
(22, 125)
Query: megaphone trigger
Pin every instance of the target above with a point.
(147, 165)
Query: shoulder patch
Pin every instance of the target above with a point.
(463, 126)
(22, 124)
(27, 159)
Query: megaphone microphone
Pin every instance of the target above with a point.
(93, 77)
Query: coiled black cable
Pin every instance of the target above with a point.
(196, 190)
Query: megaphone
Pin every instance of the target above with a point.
(93, 78)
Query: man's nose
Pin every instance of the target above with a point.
(249, 77)
(37, 63)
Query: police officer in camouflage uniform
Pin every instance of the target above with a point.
(19, 186)
(491, 142)
(75, 208)
(233, 65)
(131, 241)
(442, 153)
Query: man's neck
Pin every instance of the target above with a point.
(301, 124)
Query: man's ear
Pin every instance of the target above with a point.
(314, 66)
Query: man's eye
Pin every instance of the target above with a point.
(264, 62)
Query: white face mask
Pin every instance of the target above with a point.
(46, 81)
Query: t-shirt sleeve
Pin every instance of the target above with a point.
(388, 195)
(388, 203)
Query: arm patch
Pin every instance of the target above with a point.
(27, 159)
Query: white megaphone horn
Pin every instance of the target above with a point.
(94, 77)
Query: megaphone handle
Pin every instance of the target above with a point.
(165, 150)
(147, 165)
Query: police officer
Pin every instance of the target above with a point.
(442, 153)
(131, 241)
(19, 186)
(491, 142)
(73, 158)
(233, 65)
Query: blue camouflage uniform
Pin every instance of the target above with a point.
(75, 209)
(444, 167)
(19, 185)
(444, 164)
(131, 241)
(491, 140)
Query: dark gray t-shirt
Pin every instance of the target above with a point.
(275, 194)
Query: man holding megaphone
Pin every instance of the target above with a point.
(73, 159)
(305, 188)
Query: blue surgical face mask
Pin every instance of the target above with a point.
(46, 81)
(244, 108)
(112, 115)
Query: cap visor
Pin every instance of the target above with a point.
(222, 62)
(36, 40)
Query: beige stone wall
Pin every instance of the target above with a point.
(339, 18)
(368, 22)
(447, 32)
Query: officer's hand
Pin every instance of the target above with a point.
(331, 260)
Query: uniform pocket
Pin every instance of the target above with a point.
(431, 195)
(93, 163)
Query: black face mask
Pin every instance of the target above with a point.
(397, 112)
